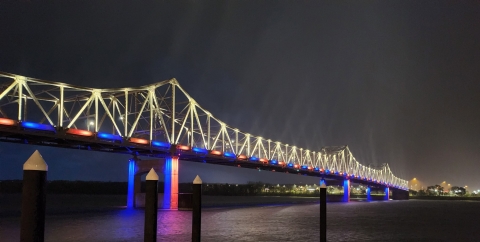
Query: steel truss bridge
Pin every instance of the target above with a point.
(158, 120)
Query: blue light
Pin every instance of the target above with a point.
(109, 136)
(160, 144)
(131, 177)
(290, 164)
(228, 154)
(327, 171)
(346, 190)
(369, 197)
(317, 169)
(304, 167)
(199, 150)
(274, 162)
(167, 194)
(31, 125)
(253, 158)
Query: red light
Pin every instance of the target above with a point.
(215, 152)
(6, 121)
(172, 183)
(321, 170)
(242, 157)
(281, 163)
(310, 167)
(296, 166)
(80, 132)
(183, 147)
(139, 141)
(263, 160)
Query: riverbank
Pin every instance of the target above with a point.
(445, 198)
(10, 204)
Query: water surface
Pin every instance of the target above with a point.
(413, 220)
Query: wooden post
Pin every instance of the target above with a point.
(32, 227)
(197, 209)
(323, 212)
(151, 207)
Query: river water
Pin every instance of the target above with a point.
(413, 220)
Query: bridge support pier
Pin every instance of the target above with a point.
(131, 183)
(137, 168)
(387, 194)
(346, 190)
(170, 197)
(368, 191)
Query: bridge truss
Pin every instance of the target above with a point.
(158, 116)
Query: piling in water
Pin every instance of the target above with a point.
(151, 207)
(32, 228)
(197, 209)
(323, 212)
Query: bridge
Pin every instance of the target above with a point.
(163, 122)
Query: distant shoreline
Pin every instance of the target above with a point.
(75, 203)
(444, 198)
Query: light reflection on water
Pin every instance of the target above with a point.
(356, 221)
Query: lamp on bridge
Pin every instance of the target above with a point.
(90, 123)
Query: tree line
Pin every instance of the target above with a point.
(223, 189)
(70, 187)
(437, 190)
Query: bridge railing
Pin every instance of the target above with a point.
(164, 113)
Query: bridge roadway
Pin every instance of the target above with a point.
(184, 135)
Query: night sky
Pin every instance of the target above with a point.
(397, 81)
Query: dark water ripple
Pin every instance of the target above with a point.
(356, 221)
